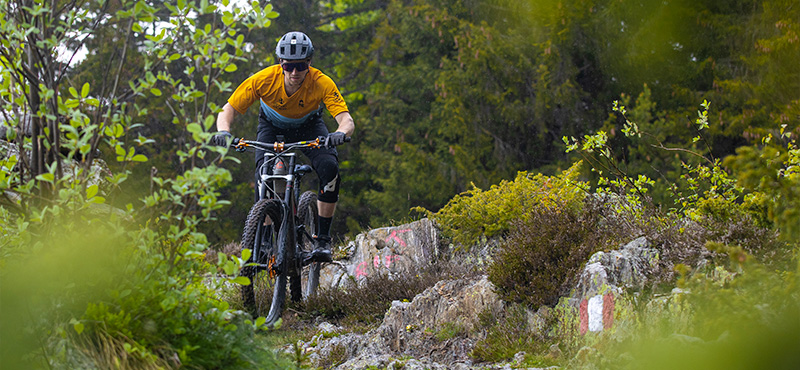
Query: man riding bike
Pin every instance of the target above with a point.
(292, 94)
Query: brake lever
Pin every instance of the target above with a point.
(235, 145)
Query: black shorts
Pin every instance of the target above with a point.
(325, 161)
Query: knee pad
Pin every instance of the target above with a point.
(327, 168)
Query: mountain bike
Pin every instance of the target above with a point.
(278, 230)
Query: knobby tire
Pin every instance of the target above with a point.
(263, 224)
(307, 215)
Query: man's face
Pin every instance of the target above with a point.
(295, 70)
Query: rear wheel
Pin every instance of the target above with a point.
(267, 289)
(307, 216)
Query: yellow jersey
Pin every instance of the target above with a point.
(288, 111)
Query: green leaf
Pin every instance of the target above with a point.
(73, 92)
(49, 177)
(155, 91)
(85, 90)
(209, 121)
(91, 191)
(139, 158)
(242, 280)
(78, 326)
(194, 128)
(231, 68)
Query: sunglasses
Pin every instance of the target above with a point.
(299, 66)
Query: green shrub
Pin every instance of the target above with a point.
(477, 213)
(87, 284)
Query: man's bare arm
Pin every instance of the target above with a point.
(225, 118)
(345, 122)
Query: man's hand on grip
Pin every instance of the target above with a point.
(222, 138)
(335, 139)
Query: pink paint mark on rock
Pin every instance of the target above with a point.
(376, 262)
(393, 236)
(390, 259)
(361, 269)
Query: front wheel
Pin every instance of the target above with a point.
(307, 216)
(267, 289)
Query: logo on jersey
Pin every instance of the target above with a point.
(281, 105)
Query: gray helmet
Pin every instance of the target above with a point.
(294, 45)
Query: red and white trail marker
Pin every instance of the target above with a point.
(597, 313)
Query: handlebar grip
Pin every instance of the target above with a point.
(323, 138)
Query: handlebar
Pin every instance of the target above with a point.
(240, 144)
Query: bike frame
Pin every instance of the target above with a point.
(280, 151)
(282, 256)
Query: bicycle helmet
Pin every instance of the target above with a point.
(294, 45)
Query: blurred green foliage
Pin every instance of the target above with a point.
(748, 318)
(92, 279)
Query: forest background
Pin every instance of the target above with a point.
(448, 95)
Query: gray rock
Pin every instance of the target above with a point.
(409, 328)
(395, 251)
(628, 267)
(328, 328)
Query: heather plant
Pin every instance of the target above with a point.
(367, 301)
(488, 213)
(544, 251)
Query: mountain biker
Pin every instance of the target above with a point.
(291, 96)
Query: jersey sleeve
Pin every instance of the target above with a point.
(245, 95)
(332, 98)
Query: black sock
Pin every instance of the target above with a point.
(324, 226)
